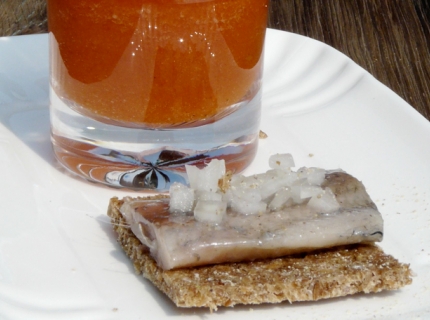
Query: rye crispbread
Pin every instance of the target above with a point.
(313, 276)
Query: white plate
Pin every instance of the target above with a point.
(59, 258)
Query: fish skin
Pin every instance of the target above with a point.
(349, 191)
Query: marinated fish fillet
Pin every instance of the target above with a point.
(177, 240)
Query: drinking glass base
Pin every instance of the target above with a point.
(150, 160)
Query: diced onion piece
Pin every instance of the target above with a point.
(270, 188)
(248, 207)
(275, 189)
(210, 211)
(251, 195)
(290, 178)
(316, 176)
(253, 182)
(280, 199)
(324, 202)
(207, 195)
(206, 179)
(227, 196)
(313, 176)
(282, 162)
(296, 192)
(308, 191)
(237, 180)
(181, 198)
(193, 174)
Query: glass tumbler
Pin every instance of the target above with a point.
(139, 88)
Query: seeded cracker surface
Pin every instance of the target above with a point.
(307, 277)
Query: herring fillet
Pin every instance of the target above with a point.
(176, 240)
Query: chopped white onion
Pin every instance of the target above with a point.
(308, 191)
(280, 199)
(248, 207)
(210, 211)
(313, 176)
(227, 197)
(206, 179)
(247, 194)
(181, 198)
(324, 202)
(207, 195)
(283, 162)
(275, 189)
(193, 174)
(316, 176)
(296, 194)
(237, 180)
(274, 184)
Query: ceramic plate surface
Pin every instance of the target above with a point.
(58, 255)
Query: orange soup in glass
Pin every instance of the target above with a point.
(141, 87)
